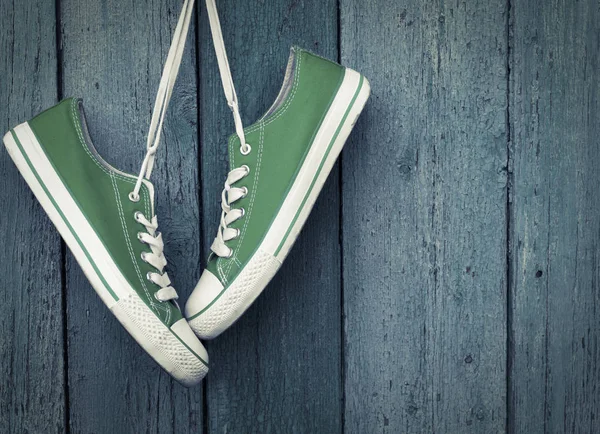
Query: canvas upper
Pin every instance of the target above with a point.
(279, 143)
(101, 192)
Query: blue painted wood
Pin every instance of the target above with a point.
(278, 369)
(113, 53)
(424, 218)
(32, 376)
(555, 292)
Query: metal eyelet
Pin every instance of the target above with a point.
(244, 149)
(139, 237)
(230, 253)
(143, 256)
(149, 276)
(156, 297)
(245, 192)
(243, 212)
(238, 233)
(136, 216)
(246, 168)
(134, 197)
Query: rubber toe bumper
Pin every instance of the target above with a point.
(211, 308)
(205, 294)
(176, 349)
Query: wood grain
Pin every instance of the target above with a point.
(463, 297)
(278, 369)
(113, 53)
(32, 376)
(424, 218)
(555, 118)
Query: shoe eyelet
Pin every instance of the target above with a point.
(245, 192)
(243, 212)
(134, 197)
(230, 253)
(136, 216)
(246, 168)
(244, 149)
(149, 276)
(238, 233)
(143, 256)
(139, 237)
(156, 297)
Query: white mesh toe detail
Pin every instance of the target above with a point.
(237, 297)
(187, 364)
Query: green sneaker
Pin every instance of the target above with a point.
(107, 219)
(278, 167)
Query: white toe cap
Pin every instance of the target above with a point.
(187, 371)
(204, 294)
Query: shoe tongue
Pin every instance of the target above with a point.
(151, 192)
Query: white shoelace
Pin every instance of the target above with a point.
(224, 70)
(163, 96)
(228, 215)
(156, 258)
(151, 237)
(230, 194)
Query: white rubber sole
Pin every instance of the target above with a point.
(229, 303)
(187, 362)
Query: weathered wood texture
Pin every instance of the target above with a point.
(555, 218)
(32, 376)
(113, 52)
(279, 368)
(424, 221)
(463, 297)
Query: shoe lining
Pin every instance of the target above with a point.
(285, 90)
(88, 142)
(287, 85)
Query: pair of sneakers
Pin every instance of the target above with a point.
(107, 217)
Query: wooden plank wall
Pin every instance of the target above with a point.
(32, 363)
(555, 223)
(424, 218)
(447, 280)
(112, 56)
(278, 369)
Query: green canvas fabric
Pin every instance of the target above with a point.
(280, 142)
(102, 195)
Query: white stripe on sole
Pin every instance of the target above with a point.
(262, 266)
(155, 337)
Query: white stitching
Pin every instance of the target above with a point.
(254, 188)
(92, 157)
(220, 270)
(280, 112)
(259, 125)
(113, 176)
(86, 149)
(147, 202)
(161, 306)
(220, 259)
(138, 271)
(286, 104)
(128, 242)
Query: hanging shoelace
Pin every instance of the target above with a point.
(229, 215)
(163, 96)
(230, 194)
(156, 258)
(151, 237)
